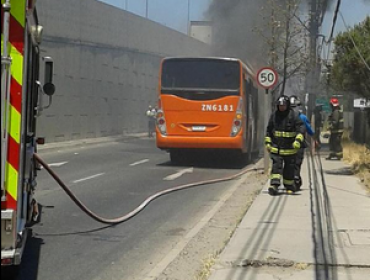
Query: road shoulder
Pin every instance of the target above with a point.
(195, 259)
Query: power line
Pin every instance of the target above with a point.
(353, 42)
(334, 20)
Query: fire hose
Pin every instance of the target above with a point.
(134, 212)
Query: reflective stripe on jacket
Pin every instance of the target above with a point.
(282, 131)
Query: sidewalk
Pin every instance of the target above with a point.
(283, 237)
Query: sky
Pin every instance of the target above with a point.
(174, 13)
(354, 11)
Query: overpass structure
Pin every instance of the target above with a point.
(106, 67)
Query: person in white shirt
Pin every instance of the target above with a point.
(151, 113)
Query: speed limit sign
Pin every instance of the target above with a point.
(267, 77)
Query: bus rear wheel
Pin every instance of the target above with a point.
(10, 272)
(241, 158)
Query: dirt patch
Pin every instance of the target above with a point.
(197, 258)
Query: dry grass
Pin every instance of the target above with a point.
(208, 263)
(358, 156)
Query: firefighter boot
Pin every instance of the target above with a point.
(298, 183)
(290, 189)
(273, 190)
(330, 157)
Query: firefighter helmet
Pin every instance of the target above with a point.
(334, 102)
(283, 100)
(294, 101)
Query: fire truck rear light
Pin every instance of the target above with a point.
(40, 140)
(161, 121)
(6, 261)
(160, 115)
(237, 123)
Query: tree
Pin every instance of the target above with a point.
(286, 35)
(350, 70)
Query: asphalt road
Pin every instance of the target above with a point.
(112, 179)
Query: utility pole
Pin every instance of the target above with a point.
(273, 53)
(267, 99)
(286, 48)
(313, 74)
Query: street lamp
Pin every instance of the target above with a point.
(146, 8)
(188, 18)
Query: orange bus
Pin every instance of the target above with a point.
(207, 103)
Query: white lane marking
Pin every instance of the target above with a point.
(139, 162)
(88, 178)
(179, 174)
(57, 164)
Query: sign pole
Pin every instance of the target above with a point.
(266, 155)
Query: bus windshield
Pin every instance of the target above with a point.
(200, 74)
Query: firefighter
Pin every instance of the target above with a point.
(284, 137)
(295, 104)
(151, 113)
(336, 126)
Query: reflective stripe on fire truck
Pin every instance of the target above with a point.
(17, 65)
(18, 11)
(16, 52)
(15, 125)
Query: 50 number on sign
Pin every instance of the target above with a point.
(267, 77)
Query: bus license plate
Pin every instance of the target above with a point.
(198, 128)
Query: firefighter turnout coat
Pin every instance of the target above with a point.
(284, 137)
(336, 126)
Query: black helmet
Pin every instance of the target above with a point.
(283, 100)
(294, 101)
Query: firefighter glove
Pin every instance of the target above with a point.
(268, 147)
(296, 145)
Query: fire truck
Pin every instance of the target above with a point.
(22, 95)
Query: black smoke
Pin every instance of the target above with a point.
(234, 22)
(238, 24)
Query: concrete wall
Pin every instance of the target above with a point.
(106, 67)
